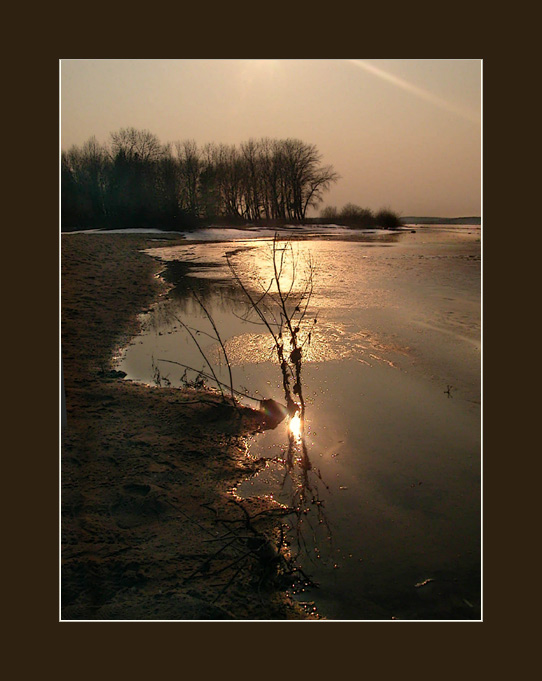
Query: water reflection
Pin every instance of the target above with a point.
(185, 279)
(295, 427)
(278, 289)
(270, 288)
(271, 291)
(394, 467)
(303, 486)
(330, 341)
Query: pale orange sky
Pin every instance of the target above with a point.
(402, 133)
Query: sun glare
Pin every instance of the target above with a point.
(295, 427)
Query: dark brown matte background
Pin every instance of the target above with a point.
(31, 550)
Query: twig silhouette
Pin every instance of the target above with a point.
(219, 339)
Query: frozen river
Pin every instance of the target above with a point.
(392, 385)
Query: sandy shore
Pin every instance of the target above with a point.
(148, 528)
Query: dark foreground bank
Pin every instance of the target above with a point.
(149, 530)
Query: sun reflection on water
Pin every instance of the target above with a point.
(330, 340)
(295, 427)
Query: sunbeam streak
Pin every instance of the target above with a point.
(419, 92)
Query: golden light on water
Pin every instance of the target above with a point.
(295, 427)
(329, 341)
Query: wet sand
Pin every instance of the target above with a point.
(149, 530)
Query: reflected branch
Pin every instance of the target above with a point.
(283, 310)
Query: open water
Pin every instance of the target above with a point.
(392, 383)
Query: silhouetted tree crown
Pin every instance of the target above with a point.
(135, 181)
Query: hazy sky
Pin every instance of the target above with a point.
(402, 133)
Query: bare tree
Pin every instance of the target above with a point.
(84, 182)
(282, 305)
(251, 155)
(356, 215)
(137, 181)
(306, 178)
(329, 213)
(190, 167)
(136, 145)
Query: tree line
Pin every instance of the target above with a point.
(136, 181)
(358, 217)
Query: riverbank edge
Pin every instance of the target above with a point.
(146, 472)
